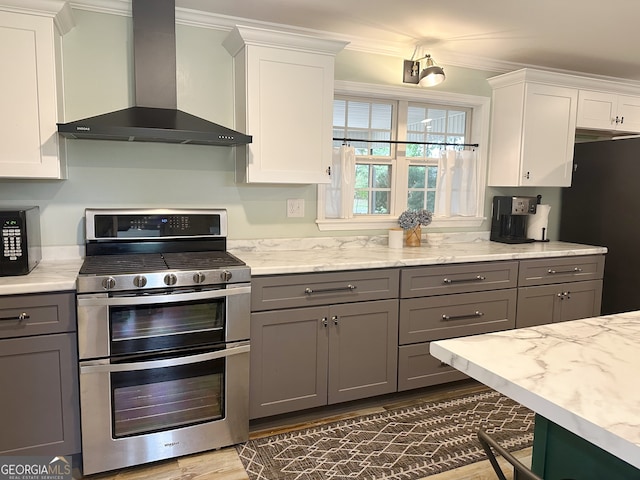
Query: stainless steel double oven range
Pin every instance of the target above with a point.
(163, 337)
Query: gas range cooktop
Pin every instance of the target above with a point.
(151, 249)
(150, 270)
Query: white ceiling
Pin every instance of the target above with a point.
(590, 36)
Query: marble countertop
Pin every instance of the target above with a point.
(305, 255)
(47, 276)
(304, 258)
(581, 375)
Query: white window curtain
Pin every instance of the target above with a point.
(339, 194)
(456, 186)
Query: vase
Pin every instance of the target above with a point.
(412, 236)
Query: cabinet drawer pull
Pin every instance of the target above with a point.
(459, 317)
(477, 278)
(348, 288)
(21, 317)
(561, 272)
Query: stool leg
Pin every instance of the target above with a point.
(521, 472)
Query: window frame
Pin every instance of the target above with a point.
(404, 95)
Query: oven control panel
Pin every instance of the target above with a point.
(154, 224)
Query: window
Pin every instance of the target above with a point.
(430, 124)
(390, 177)
(368, 120)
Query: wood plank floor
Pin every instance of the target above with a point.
(224, 464)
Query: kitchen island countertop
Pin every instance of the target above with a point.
(582, 375)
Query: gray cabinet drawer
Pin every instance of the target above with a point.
(43, 314)
(447, 316)
(418, 368)
(290, 291)
(546, 271)
(468, 277)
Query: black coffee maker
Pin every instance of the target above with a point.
(509, 219)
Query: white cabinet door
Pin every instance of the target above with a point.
(284, 99)
(532, 135)
(608, 111)
(596, 110)
(629, 113)
(29, 97)
(289, 114)
(549, 136)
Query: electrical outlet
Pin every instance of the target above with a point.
(295, 207)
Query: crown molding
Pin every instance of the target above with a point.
(243, 35)
(59, 10)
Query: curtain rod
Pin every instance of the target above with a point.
(347, 140)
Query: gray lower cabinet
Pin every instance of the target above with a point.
(558, 303)
(324, 338)
(318, 355)
(557, 290)
(449, 301)
(38, 375)
(308, 357)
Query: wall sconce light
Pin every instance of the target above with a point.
(430, 76)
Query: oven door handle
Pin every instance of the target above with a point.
(91, 300)
(102, 366)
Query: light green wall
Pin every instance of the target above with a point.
(102, 174)
(387, 70)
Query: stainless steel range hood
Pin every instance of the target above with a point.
(155, 118)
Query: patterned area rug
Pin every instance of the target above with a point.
(408, 443)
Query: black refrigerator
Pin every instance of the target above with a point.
(602, 207)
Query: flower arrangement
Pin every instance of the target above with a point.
(410, 219)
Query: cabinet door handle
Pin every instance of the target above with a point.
(564, 272)
(460, 317)
(335, 319)
(19, 318)
(324, 321)
(565, 295)
(348, 288)
(477, 278)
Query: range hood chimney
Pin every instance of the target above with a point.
(155, 118)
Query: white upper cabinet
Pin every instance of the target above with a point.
(533, 124)
(31, 90)
(284, 98)
(608, 111)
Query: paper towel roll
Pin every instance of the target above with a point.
(537, 224)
